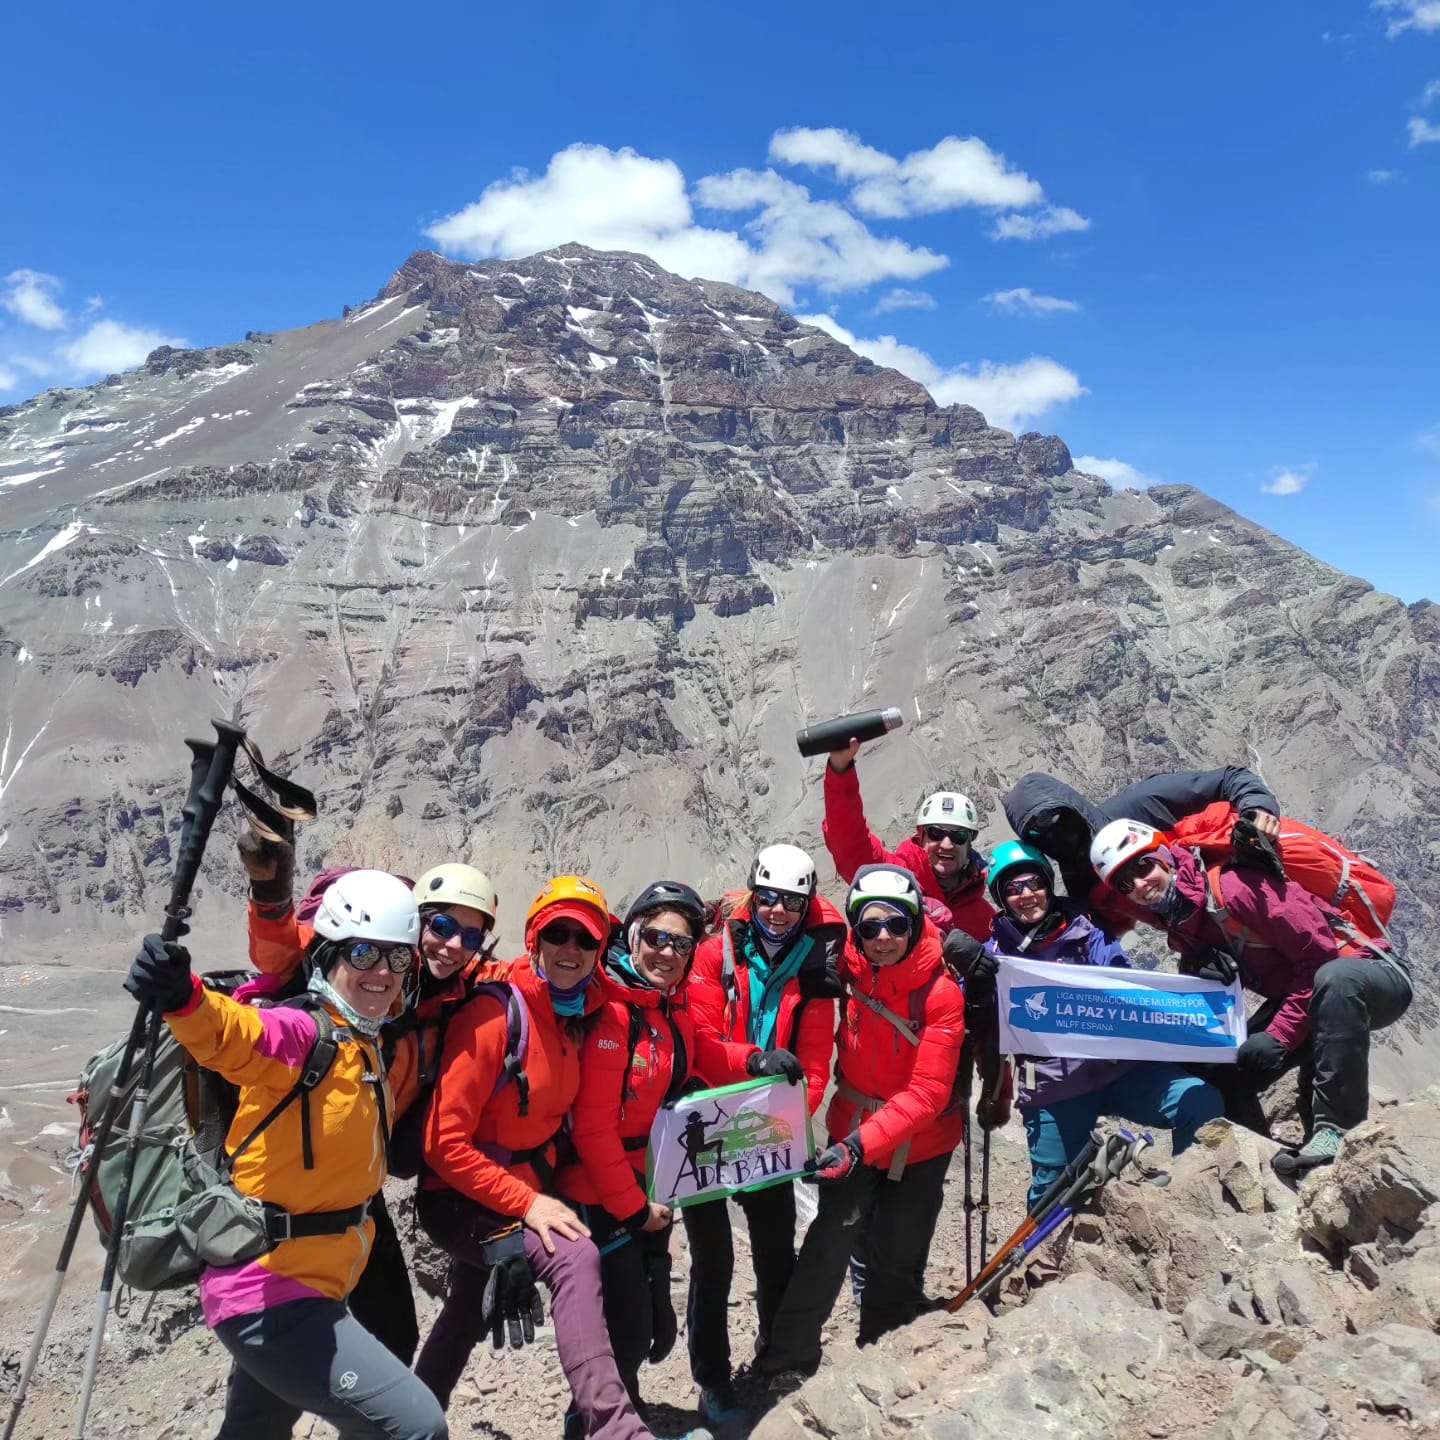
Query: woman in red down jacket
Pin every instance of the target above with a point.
(894, 1122)
(641, 1051)
(770, 977)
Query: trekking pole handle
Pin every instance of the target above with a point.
(211, 763)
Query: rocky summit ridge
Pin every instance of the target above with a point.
(541, 562)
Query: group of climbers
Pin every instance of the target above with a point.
(522, 1093)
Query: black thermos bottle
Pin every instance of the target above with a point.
(836, 734)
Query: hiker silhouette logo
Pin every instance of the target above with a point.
(737, 1137)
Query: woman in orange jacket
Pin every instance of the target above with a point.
(458, 906)
(642, 1051)
(316, 1164)
(491, 1150)
(769, 978)
(894, 1122)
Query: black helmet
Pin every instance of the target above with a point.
(669, 895)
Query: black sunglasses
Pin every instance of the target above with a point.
(955, 834)
(559, 933)
(658, 939)
(896, 925)
(1137, 869)
(366, 955)
(446, 927)
(794, 904)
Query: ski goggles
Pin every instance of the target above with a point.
(446, 927)
(957, 835)
(1034, 884)
(366, 955)
(658, 939)
(1137, 869)
(558, 933)
(794, 904)
(896, 926)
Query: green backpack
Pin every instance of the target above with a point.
(184, 1214)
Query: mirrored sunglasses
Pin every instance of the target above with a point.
(559, 932)
(366, 955)
(1135, 870)
(446, 927)
(896, 925)
(1035, 884)
(794, 904)
(955, 834)
(658, 939)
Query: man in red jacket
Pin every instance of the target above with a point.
(940, 854)
(893, 1125)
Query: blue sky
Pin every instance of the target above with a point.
(1198, 242)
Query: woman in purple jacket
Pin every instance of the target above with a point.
(1325, 994)
(1060, 1100)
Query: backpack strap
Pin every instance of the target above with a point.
(908, 1030)
(1237, 937)
(517, 1039)
(635, 1030)
(728, 981)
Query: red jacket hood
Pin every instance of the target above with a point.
(885, 981)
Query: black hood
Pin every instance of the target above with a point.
(1037, 791)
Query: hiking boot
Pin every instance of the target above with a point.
(720, 1412)
(785, 1382)
(1320, 1149)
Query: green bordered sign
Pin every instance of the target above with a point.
(737, 1137)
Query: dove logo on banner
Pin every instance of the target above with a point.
(1080, 1012)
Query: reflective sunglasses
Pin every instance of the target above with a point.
(893, 925)
(658, 939)
(1135, 870)
(558, 932)
(794, 904)
(1035, 884)
(446, 927)
(953, 833)
(366, 955)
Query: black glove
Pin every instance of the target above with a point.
(1249, 847)
(664, 1328)
(510, 1302)
(967, 960)
(838, 1161)
(775, 1062)
(1217, 965)
(160, 977)
(270, 864)
(1262, 1057)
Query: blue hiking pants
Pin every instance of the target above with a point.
(1155, 1095)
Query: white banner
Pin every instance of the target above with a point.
(736, 1137)
(1093, 1012)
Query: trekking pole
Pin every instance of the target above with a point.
(984, 1197)
(210, 768)
(1123, 1154)
(1038, 1213)
(967, 1055)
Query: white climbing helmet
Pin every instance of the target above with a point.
(888, 883)
(1120, 842)
(369, 905)
(949, 807)
(457, 885)
(784, 867)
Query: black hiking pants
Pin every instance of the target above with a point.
(634, 1281)
(382, 1301)
(770, 1218)
(896, 1220)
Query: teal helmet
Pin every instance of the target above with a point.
(1015, 855)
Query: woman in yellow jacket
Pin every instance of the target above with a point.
(316, 1164)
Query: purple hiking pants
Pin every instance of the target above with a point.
(571, 1275)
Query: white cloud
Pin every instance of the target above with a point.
(109, 346)
(30, 296)
(1409, 15)
(1289, 479)
(621, 200)
(837, 150)
(8, 379)
(1007, 395)
(1422, 132)
(899, 299)
(1432, 93)
(1120, 473)
(1381, 177)
(1052, 220)
(1026, 299)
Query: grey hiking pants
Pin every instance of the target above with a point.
(314, 1356)
(1351, 998)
